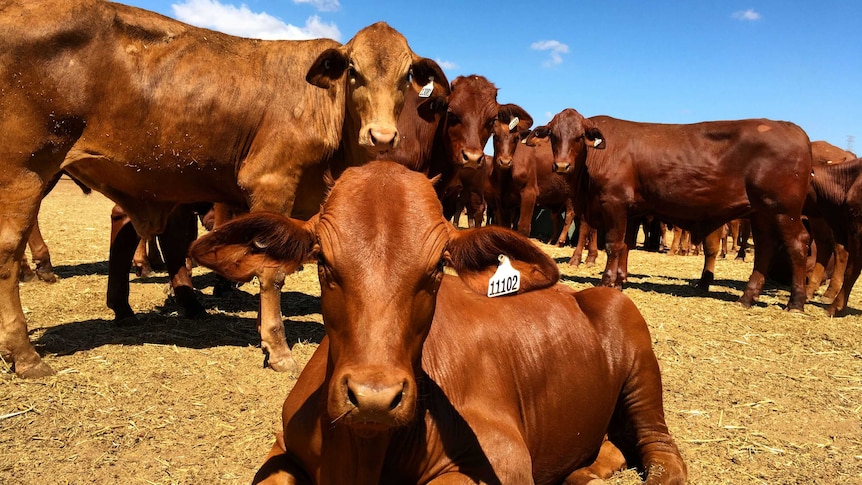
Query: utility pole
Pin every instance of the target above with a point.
(850, 140)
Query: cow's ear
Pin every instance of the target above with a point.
(508, 112)
(432, 107)
(538, 132)
(243, 247)
(424, 71)
(327, 68)
(475, 255)
(595, 137)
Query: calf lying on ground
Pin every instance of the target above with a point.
(421, 377)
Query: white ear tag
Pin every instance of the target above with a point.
(514, 123)
(427, 89)
(506, 280)
(597, 142)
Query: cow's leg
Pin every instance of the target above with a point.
(575, 260)
(179, 234)
(528, 205)
(795, 238)
(615, 246)
(25, 272)
(711, 246)
(279, 468)
(639, 421)
(609, 461)
(734, 234)
(592, 245)
(567, 223)
(765, 244)
(852, 270)
(269, 322)
(124, 241)
(744, 234)
(723, 240)
(20, 194)
(141, 258)
(824, 242)
(839, 269)
(41, 256)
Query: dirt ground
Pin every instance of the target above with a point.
(754, 395)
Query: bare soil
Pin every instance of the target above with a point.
(755, 395)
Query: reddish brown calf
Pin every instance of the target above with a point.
(422, 378)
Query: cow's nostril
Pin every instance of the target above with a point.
(395, 402)
(352, 397)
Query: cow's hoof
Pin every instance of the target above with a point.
(126, 321)
(47, 276)
(285, 364)
(746, 303)
(36, 371)
(193, 311)
(26, 274)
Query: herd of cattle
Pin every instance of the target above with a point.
(358, 156)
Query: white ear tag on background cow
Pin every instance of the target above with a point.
(597, 142)
(427, 89)
(506, 280)
(514, 123)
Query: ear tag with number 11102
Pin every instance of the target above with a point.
(506, 280)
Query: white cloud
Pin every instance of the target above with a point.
(243, 22)
(322, 5)
(556, 48)
(748, 15)
(445, 64)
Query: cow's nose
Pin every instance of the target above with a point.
(382, 138)
(504, 163)
(471, 157)
(562, 167)
(375, 398)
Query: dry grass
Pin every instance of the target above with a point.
(752, 396)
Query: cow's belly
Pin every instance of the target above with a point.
(180, 182)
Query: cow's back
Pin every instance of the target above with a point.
(715, 171)
(134, 94)
(534, 359)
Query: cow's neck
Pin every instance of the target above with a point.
(353, 458)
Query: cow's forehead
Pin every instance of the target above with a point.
(377, 201)
(473, 94)
(381, 49)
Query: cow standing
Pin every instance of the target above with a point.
(153, 113)
(423, 379)
(696, 176)
(836, 198)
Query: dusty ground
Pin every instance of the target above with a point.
(752, 396)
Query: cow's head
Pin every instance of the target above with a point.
(511, 126)
(380, 68)
(570, 135)
(470, 120)
(381, 244)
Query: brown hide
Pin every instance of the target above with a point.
(824, 152)
(152, 113)
(836, 198)
(470, 120)
(421, 376)
(696, 176)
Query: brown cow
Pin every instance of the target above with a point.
(470, 120)
(421, 378)
(836, 198)
(152, 113)
(697, 176)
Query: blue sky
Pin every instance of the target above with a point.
(658, 61)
